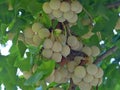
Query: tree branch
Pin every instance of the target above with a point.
(106, 54)
(113, 5)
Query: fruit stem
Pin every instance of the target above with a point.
(91, 18)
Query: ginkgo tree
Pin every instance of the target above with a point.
(60, 44)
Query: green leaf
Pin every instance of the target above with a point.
(42, 72)
(47, 67)
(33, 79)
(44, 19)
(23, 64)
(22, 48)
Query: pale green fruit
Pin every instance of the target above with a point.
(76, 6)
(29, 41)
(99, 73)
(88, 78)
(64, 72)
(72, 41)
(71, 66)
(47, 53)
(46, 8)
(58, 76)
(57, 47)
(28, 33)
(77, 59)
(80, 45)
(34, 68)
(87, 50)
(51, 16)
(57, 13)
(84, 86)
(90, 60)
(27, 74)
(36, 40)
(65, 50)
(73, 19)
(65, 7)
(43, 33)
(63, 39)
(95, 51)
(36, 27)
(21, 37)
(11, 35)
(48, 44)
(76, 48)
(94, 82)
(68, 15)
(80, 72)
(61, 19)
(55, 4)
(100, 81)
(76, 80)
(57, 57)
(51, 77)
(92, 69)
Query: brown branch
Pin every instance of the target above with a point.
(113, 5)
(72, 85)
(106, 54)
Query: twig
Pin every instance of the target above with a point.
(106, 54)
(72, 85)
(113, 5)
(89, 15)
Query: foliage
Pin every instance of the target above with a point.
(26, 12)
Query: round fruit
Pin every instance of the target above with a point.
(68, 15)
(92, 69)
(36, 27)
(87, 50)
(80, 72)
(88, 78)
(57, 57)
(43, 33)
(100, 81)
(94, 82)
(57, 13)
(55, 4)
(47, 53)
(71, 66)
(95, 51)
(72, 41)
(28, 33)
(27, 74)
(62, 39)
(84, 86)
(78, 59)
(76, 6)
(48, 44)
(21, 37)
(46, 8)
(76, 47)
(51, 77)
(57, 47)
(76, 80)
(29, 41)
(73, 19)
(99, 73)
(58, 76)
(65, 50)
(61, 19)
(65, 7)
(36, 40)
